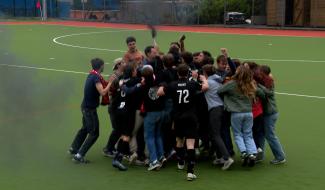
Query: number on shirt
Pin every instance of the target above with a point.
(183, 96)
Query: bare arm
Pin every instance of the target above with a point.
(102, 91)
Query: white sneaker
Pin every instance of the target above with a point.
(180, 167)
(227, 164)
(218, 161)
(191, 177)
(154, 166)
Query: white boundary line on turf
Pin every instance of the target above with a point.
(300, 95)
(55, 40)
(45, 69)
(84, 73)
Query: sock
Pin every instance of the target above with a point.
(190, 160)
(180, 152)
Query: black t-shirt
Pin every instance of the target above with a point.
(91, 95)
(152, 102)
(183, 93)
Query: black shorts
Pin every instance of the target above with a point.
(125, 122)
(186, 125)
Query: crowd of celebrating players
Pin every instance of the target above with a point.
(182, 106)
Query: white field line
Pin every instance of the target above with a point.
(45, 69)
(300, 95)
(55, 40)
(84, 73)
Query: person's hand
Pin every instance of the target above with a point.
(224, 52)
(120, 83)
(195, 74)
(202, 78)
(182, 38)
(160, 91)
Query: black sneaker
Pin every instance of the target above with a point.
(278, 162)
(251, 160)
(244, 158)
(108, 153)
(117, 164)
(162, 161)
(80, 160)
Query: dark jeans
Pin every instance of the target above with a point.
(258, 131)
(115, 133)
(225, 133)
(88, 133)
(215, 118)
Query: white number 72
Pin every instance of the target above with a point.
(183, 96)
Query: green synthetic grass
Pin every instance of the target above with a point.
(40, 114)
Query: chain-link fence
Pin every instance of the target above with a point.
(184, 12)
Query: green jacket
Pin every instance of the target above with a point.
(234, 100)
(269, 103)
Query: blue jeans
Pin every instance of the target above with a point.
(153, 135)
(270, 136)
(242, 124)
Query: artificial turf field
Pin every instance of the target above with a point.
(41, 88)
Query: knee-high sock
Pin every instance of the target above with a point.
(180, 152)
(190, 160)
(122, 149)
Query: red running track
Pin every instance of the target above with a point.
(198, 29)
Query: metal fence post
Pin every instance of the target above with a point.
(44, 10)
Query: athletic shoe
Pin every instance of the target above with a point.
(117, 164)
(218, 161)
(181, 165)
(259, 155)
(133, 158)
(251, 160)
(80, 159)
(278, 162)
(191, 177)
(162, 161)
(110, 154)
(227, 164)
(154, 166)
(71, 152)
(244, 158)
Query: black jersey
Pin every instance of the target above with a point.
(183, 93)
(124, 102)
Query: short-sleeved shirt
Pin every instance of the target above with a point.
(183, 93)
(135, 56)
(91, 94)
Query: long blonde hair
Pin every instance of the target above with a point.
(245, 81)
